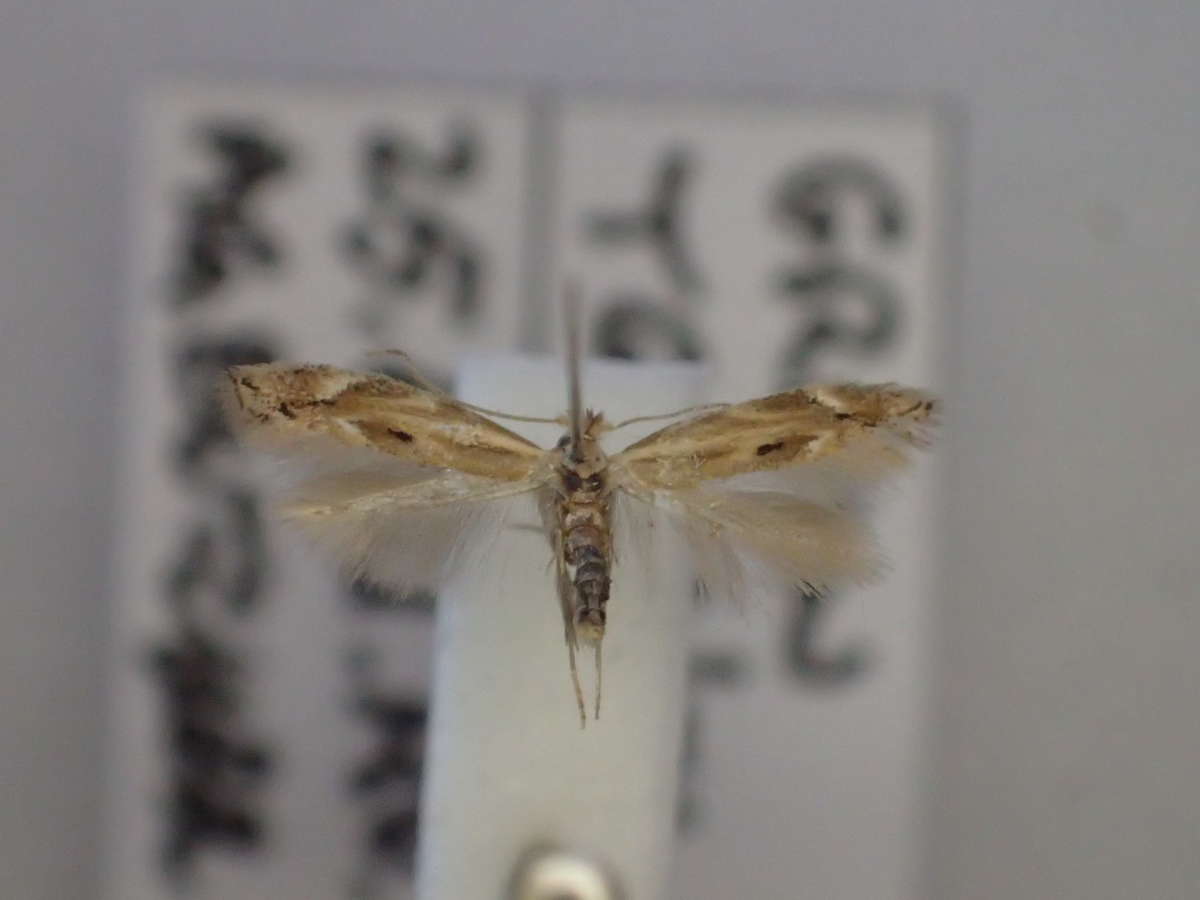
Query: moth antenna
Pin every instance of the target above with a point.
(599, 680)
(687, 410)
(543, 420)
(413, 371)
(422, 382)
(574, 389)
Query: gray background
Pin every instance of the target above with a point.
(1066, 736)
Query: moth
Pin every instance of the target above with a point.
(398, 480)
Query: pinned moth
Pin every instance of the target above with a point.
(397, 479)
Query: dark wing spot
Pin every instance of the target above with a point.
(286, 410)
(402, 435)
(764, 449)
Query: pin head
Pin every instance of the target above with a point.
(549, 874)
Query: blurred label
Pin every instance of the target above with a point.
(269, 718)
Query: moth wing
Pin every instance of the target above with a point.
(400, 485)
(744, 543)
(769, 491)
(814, 438)
(281, 407)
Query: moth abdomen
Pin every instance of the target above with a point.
(584, 522)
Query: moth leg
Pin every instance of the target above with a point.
(578, 688)
(566, 598)
(536, 529)
(689, 410)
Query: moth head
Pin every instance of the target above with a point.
(587, 458)
(589, 625)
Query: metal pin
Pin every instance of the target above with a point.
(547, 873)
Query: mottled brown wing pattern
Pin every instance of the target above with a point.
(279, 405)
(865, 429)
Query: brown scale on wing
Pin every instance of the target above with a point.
(280, 402)
(794, 427)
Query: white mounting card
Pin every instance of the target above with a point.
(268, 719)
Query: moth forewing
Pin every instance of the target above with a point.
(863, 430)
(280, 406)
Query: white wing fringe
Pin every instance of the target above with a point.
(744, 545)
(398, 525)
